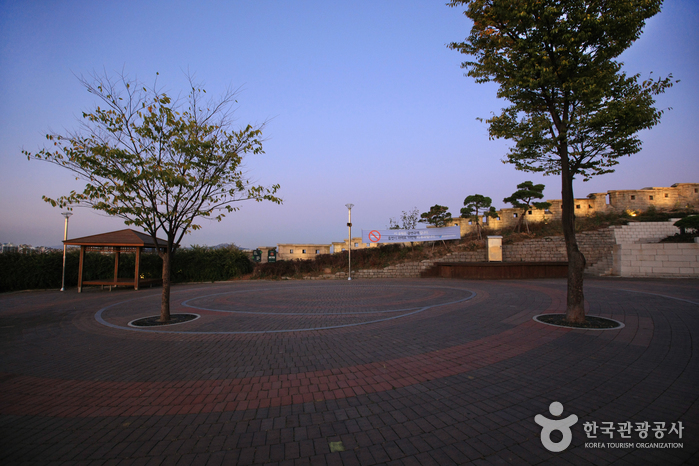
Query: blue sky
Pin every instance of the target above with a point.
(364, 102)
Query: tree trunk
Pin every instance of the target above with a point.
(165, 300)
(575, 311)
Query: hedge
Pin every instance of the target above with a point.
(43, 271)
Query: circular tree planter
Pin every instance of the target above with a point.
(591, 322)
(154, 321)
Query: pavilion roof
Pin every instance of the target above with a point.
(125, 238)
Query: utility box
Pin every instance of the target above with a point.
(494, 247)
(257, 255)
(272, 255)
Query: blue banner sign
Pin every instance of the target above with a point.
(405, 236)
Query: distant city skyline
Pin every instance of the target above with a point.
(364, 102)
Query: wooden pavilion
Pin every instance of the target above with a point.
(117, 242)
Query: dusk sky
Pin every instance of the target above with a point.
(364, 101)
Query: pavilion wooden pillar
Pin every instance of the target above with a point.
(137, 278)
(117, 254)
(81, 268)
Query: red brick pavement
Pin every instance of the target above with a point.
(453, 384)
(26, 395)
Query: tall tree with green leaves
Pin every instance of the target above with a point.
(523, 199)
(475, 206)
(438, 215)
(159, 164)
(573, 111)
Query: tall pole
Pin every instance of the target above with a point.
(349, 243)
(65, 237)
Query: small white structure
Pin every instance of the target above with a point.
(494, 247)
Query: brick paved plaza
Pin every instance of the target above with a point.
(399, 372)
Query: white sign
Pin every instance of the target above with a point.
(404, 236)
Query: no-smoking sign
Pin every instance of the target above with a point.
(374, 236)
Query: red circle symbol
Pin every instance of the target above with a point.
(374, 236)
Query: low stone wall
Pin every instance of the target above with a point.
(548, 249)
(644, 232)
(465, 256)
(595, 245)
(405, 270)
(656, 260)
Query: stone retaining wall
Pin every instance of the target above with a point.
(465, 256)
(644, 232)
(656, 260)
(595, 245)
(404, 270)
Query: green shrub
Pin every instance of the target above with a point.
(691, 222)
(44, 271)
(202, 264)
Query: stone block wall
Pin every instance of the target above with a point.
(404, 270)
(644, 232)
(465, 256)
(548, 249)
(656, 260)
(679, 195)
(595, 245)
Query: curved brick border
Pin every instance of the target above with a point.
(131, 324)
(621, 324)
(99, 315)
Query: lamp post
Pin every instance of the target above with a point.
(65, 237)
(349, 243)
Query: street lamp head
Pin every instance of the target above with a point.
(66, 214)
(349, 206)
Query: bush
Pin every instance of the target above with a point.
(654, 215)
(689, 229)
(32, 271)
(43, 271)
(691, 222)
(202, 264)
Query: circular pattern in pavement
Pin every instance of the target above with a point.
(289, 309)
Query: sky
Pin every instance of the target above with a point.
(364, 104)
